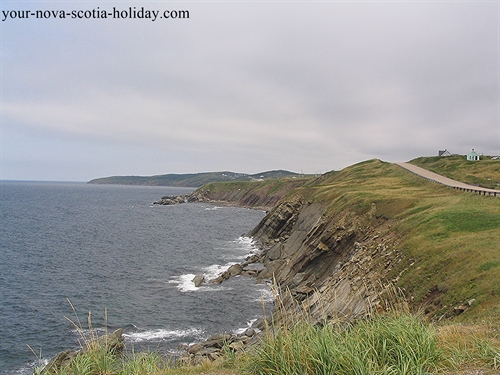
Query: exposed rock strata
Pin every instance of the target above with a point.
(330, 264)
(261, 195)
(326, 262)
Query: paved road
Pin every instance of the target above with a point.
(448, 181)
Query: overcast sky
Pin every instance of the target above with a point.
(245, 86)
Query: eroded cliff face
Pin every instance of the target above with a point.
(240, 198)
(330, 264)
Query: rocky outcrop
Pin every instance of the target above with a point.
(198, 280)
(216, 346)
(324, 262)
(331, 264)
(252, 194)
(168, 200)
(250, 268)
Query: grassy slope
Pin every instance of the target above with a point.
(450, 240)
(452, 237)
(485, 173)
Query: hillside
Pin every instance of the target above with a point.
(339, 241)
(485, 172)
(191, 179)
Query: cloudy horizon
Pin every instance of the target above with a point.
(245, 87)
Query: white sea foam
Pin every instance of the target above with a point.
(239, 331)
(28, 368)
(213, 271)
(246, 240)
(266, 295)
(244, 245)
(160, 335)
(184, 282)
(247, 244)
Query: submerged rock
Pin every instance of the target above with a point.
(198, 280)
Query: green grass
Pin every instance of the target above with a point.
(444, 234)
(395, 344)
(488, 265)
(469, 221)
(262, 194)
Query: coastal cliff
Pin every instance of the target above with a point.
(345, 243)
(251, 194)
(331, 265)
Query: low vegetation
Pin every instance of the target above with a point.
(449, 240)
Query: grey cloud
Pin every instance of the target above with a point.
(311, 86)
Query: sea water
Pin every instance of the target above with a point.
(70, 251)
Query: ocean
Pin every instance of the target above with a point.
(107, 250)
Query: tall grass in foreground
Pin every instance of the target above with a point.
(473, 345)
(398, 343)
(392, 344)
(100, 362)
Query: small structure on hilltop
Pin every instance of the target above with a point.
(444, 153)
(473, 156)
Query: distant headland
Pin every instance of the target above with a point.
(194, 180)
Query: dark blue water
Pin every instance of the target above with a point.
(107, 248)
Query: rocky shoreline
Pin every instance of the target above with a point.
(212, 348)
(256, 195)
(196, 353)
(325, 265)
(328, 264)
(205, 197)
(216, 346)
(209, 350)
(331, 254)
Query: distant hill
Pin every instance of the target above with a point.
(191, 179)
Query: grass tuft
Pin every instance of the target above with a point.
(391, 344)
